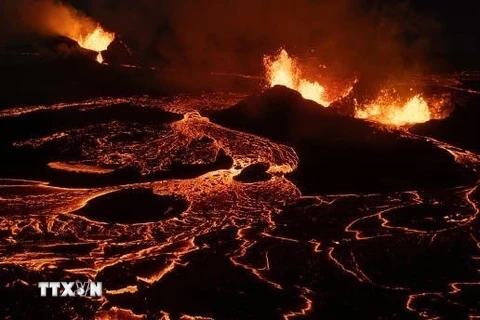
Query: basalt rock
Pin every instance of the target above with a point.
(339, 153)
(133, 206)
(460, 128)
(254, 172)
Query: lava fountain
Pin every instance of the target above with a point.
(391, 111)
(387, 108)
(284, 70)
(98, 40)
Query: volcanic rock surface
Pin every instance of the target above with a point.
(342, 154)
(254, 172)
(182, 218)
(461, 128)
(133, 206)
(68, 160)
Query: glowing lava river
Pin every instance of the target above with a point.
(183, 210)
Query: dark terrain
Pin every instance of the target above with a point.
(228, 205)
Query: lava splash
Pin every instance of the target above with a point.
(388, 107)
(98, 40)
(389, 111)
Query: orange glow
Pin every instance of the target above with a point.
(387, 108)
(98, 41)
(393, 112)
(284, 70)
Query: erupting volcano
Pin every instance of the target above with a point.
(387, 108)
(284, 70)
(193, 175)
(98, 40)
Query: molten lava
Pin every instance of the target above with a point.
(98, 41)
(390, 111)
(387, 108)
(284, 70)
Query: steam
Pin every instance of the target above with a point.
(45, 18)
(233, 36)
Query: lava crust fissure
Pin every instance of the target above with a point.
(181, 217)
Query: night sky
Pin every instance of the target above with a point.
(360, 36)
(447, 30)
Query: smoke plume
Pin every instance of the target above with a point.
(211, 35)
(44, 18)
(366, 37)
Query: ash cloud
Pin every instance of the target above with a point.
(232, 36)
(43, 18)
(372, 38)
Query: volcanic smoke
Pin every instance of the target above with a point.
(387, 108)
(53, 18)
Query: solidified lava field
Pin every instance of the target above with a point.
(225, 206)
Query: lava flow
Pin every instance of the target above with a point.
(157, 243)
(160, 160)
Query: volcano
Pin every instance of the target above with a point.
(340, 154)
(194, 186)
(270, 203)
